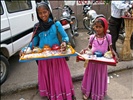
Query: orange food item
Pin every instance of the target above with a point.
(46, 48)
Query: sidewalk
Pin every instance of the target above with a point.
(76, 72)
(15, 84)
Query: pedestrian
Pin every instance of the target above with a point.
(54, 78)
(116, 20)
(94, 83)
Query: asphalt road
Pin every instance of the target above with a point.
(21, 74)
(120, 87)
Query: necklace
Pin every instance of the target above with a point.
(46, 33)
(99, 42)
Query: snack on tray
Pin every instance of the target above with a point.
(72, 50)
(89, 52)
(37, 50)
(32, 55)
(47, 52)
(108, 54)
(98, 53)
(27, 50)
(55, 47)
(46, 48)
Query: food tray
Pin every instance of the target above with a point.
(46, 55)
(108, 61)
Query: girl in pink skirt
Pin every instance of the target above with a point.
(54, 78)
(94, 83)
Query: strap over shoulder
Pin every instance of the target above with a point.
(35, 26)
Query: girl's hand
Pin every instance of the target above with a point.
(83, 51)
(21, 53)
(114, 54)
(117, 58)
(63, 46)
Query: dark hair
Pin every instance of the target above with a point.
(99, 21)
(45, 5)
(44, 26)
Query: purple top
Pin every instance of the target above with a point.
(100, 44)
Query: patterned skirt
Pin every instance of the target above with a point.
(54, 79)
(94, 83)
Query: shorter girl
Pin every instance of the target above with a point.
(94, 83)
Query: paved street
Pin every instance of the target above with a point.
(120, 87)
(23, 76)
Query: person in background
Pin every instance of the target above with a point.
(94, 83)
(54, 78)
(115, 21)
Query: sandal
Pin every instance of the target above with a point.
(84, 97)
(73, 98)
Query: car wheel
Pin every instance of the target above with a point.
(4, 66)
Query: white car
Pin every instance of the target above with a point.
(17, 20)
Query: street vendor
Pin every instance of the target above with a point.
(54, 78)
(94, 83)
(115, 21)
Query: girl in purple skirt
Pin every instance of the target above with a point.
(54, 78)
(94, 83)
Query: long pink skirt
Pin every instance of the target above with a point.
(94, 83)
(54, 79)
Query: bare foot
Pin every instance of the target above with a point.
(84, 97)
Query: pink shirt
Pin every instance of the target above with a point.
(100, 44)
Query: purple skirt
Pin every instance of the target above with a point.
(94, 83)
(54, 79)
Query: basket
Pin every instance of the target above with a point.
(125, 53)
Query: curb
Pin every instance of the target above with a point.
(30, 85)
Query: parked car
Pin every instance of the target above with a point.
(17, 20)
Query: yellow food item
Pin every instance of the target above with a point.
(37, 50)
(108, 54)
(89, 52)
(72, 50)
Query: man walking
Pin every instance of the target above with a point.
(115, 20)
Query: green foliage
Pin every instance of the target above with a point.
(107, 1)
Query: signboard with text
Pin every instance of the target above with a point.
(82, 2)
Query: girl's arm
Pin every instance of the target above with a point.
(89, 46)
(35, 37)
(61, 30)
(114, 53)
(34, 42)
(109, 39)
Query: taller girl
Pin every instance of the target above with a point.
(54, 79)
(94, 83)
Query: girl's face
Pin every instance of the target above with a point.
(99, 28)
(43, 13)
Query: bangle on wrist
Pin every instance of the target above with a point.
(65, 41)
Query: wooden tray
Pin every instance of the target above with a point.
(83, 57)
(44, 55)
